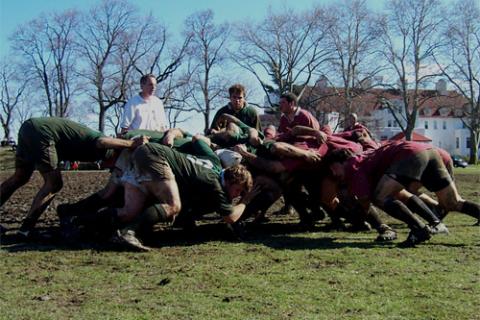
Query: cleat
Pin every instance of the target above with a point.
(27, 235)
(439, 228)
(24, 234)
(415, 237)
(386, 234)
(127, 239)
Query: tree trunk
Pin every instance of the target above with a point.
(101, 119)
(473, 148)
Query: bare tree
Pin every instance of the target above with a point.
(460, 63)
(408, 38)
(353, 36)
(287, 48)
(47, 47)
(113, 117)
(207, 55)
(109, 29)
(12, 88)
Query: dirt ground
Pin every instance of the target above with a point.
(78, 185)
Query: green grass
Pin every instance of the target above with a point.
(276, 274)
(296, 276)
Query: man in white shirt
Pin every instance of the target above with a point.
(145, 110)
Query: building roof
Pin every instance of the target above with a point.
(365, 102)
(415, 137)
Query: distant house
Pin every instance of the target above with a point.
(438, 117)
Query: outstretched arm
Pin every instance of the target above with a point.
(272, 166)
(306, 131)
(114, 143)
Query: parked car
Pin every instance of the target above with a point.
(459, 161)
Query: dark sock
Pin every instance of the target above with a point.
(374, 218)
(399, 211)
(90, 204)
(31, 220)
(416, 205)
(150, 216)
(471, 208)
(105, 219)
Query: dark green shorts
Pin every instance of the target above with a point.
(426, 167)
(35, 150)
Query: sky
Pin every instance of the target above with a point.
(14, 13)
(173, 13)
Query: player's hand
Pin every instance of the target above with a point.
(240, 148)
(138, 141)
(168, 139)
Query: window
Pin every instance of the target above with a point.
(467, 142)
(426, 124)
(444, 125)
(435, 124)
(389, 124)
(457, 143)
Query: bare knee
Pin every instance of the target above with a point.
(173, 209)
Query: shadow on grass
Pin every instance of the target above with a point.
(280, 236)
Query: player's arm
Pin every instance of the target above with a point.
(114, 143)
(306, 131)
(239, 208)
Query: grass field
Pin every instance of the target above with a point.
(278, 273)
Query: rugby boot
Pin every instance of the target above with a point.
(127, 239)
(386, 234)
(416, 236)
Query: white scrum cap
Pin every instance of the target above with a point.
(228, 157)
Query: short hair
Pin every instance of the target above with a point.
(337, 156)
(239, 174)
(144, 78)
(289, 96)
(236, 88)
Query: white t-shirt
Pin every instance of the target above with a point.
(141, 114)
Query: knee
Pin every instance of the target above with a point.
(451, 204)
(173, 209)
